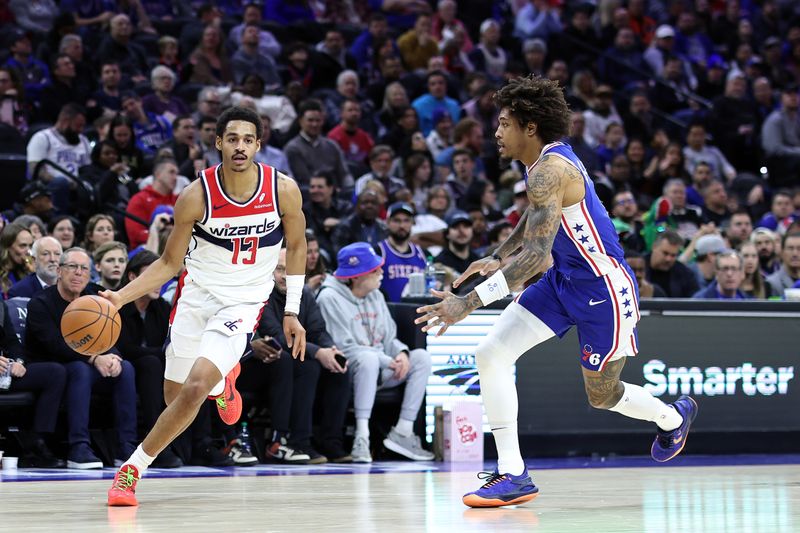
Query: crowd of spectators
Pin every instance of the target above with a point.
(685, 115)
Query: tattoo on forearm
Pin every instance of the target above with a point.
(604, 389)
(541, 224)
(513, 241)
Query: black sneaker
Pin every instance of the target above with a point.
(210, 456)
(336, 454)
(40, 456)
(167, 459)
(314, 457)
(81, 457)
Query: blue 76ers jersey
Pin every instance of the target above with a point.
(586, 245)
(235, 248)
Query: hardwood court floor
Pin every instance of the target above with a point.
(692, 499)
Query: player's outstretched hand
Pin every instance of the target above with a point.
(485, 266)
(295, 336)
(450, 310)
(112, 297)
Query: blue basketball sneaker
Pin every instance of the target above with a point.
(502, 489)
(668, 444)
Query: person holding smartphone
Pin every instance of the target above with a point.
(292, 385)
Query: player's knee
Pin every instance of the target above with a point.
(489, 353)
(194, 391)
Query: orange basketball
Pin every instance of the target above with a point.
(90, 325)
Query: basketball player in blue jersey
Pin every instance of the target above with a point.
(230, 224)
(589, 286)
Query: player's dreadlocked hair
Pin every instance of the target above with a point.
(538, 100)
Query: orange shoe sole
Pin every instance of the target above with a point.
(472, 500)
(122, 500)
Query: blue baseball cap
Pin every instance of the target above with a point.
(162, 208)
(356, 260)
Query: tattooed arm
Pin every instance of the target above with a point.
(514, 240)
(546, 192)
(546, 186)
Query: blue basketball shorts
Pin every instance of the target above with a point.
(604, 309)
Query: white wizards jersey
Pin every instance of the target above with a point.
(235, 248)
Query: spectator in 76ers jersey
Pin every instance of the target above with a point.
(401, 256)
(64, 145)
(229, 225)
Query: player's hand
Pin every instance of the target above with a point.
(113, 297)
(485, 266)
(295, 336)
(400, 365)
(264, 351)
(450, 310)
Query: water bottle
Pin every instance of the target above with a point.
(430, 275)
(5, 377)
(245, 437)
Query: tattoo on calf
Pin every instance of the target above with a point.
(604, 389)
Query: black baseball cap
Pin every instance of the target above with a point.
(33, 190)
(399, 207)
(458, 217)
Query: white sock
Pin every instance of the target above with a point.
(509, 458)
(362, 427)
(140, 460)
(218, 389)
(636, 402)
(404, 427)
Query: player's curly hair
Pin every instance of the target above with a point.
(538, 100)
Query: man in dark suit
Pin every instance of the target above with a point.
(47, 252)
(44, 342)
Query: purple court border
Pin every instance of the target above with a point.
(38, 474)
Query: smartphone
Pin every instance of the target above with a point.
(275, 344)
(341, 360)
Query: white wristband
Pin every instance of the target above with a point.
(294, 292)
(493, 289)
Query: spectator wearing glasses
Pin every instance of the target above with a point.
(628, 225)
(209, 104)
(107, 372)
(728, 279)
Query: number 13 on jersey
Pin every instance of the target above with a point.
(249, 245)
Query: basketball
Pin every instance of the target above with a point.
(90, 325)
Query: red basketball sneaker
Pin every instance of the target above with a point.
(229, 403)
(123, 491)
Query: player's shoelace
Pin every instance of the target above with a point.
(221, 403)
(125, 480)
(492, 478)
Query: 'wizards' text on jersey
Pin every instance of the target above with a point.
(235, 248)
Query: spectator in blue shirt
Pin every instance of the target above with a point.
(537, 19)
(729, 278)
(151, 130)
(435, 98)
(34, 73)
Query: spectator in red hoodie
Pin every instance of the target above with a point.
(143, 203)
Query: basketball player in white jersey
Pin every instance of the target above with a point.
(589, 286)
(229, 227)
